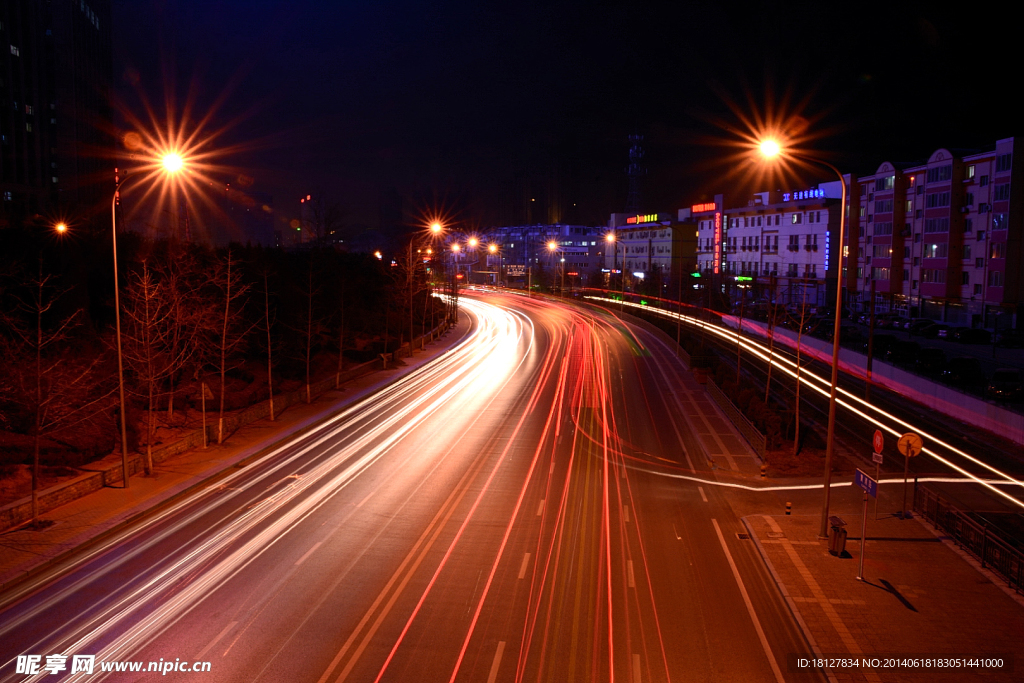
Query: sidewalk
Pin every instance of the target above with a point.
(920, 597)
(24, 552)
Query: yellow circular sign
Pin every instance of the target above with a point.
(910, 444)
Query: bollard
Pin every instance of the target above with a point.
(789, 508)
(764, 471)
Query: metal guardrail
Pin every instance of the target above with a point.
(985, 544)
(753, 436)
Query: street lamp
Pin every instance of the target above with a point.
(172, 163)
(61, 227)
(771, 149)
(552, 248)
(610, 239)
(494, 250)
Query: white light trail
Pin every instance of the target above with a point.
(809, 378)
(479, 365)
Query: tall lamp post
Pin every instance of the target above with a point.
(171, 163)
(552, 249)
(494, 250)
(771, 149)
(611, 239)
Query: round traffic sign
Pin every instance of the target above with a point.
(910, 444)
(876, 441)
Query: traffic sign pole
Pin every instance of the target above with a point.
(877, 478)
(870, 487)
(906, 471)
(910, 444)
(863, 537)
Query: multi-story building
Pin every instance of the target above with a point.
(786, 244)
(940, 240)
(661, 247)
(578, 252)
(55, 118)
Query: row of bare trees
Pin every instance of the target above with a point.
(196, 322)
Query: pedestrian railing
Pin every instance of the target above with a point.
(993, 551)
(751, 433)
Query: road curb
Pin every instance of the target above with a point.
(784, 592)
(20, 576)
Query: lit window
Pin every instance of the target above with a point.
(15, 51)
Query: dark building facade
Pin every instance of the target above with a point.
(55, 111)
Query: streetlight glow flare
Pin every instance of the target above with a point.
(172, 162)
(769, 148)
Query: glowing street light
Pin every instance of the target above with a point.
(436, 228)
(770, 149)
(61, 227)
(172, 162)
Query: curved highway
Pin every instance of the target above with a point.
(496, 515)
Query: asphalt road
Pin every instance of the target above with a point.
(500, 514)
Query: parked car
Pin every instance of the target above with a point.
(903, 353)
(1011, 339)
(930, 362)
(917, 323)
(935, 331)
(894, 322)
(917, 326)
(971, 335)
(1007, 384)
(964, 372)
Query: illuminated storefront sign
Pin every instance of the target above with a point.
(701, 208)
(719, 248)
(802, 194)
(642, 218)
(826, 250)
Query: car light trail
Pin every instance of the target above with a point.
(482, 363)
(819, 384)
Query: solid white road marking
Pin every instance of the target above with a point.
(497, 662)
(629, 572)
(702, 496)
(213, 642)
(750, 606)
(308, 553)
(526, 563)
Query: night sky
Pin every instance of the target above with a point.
(448, 103)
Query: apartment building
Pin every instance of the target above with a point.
(785, 244)
(661, 247)
(939, 240)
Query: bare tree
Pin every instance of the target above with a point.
(341, 334)
(311, 325)
(233, 292)
(796, 404)
(181, 289)
(54, 383)
(270, 346)
(160, 340)
(321, 218)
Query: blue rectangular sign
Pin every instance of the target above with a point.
(869, 485)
